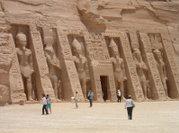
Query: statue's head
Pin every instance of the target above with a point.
(157, 52)
(77, 46)
(114, 47)
(137, 53)
(159, 38)
(49, 50)
(49, 41)
(21, 39)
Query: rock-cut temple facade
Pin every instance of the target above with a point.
(58, 47)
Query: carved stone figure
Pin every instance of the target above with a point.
(81, 64)
(54, 34)
(53, 63)
(25, 62)
(141, 71)
(119, 70)
(161, 68)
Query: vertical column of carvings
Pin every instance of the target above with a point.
(77, 44)
(171, 65)
(16, 84)
(90, 65)
(157, 89)
(70, 79)
(131, 68)
(43, 83)
(116, 57)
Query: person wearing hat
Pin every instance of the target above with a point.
(129, 105)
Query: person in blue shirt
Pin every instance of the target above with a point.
(90, 97)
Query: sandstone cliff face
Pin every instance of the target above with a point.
(52, 28)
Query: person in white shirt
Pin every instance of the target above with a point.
(44, 104)
(119, 95)
(129, 105)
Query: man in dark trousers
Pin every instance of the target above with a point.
(90, 97)
(129, 105)
(44, 104)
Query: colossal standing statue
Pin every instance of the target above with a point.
(53, 63)
(81, 64)
(161, 68)
(141, 71)
(119, 70)
(25, 62)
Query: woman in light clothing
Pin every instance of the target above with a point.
(49, 104)
(129, 106)
(76, 99)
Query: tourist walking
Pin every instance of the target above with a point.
(76, 99)
(44, 105)
(49, 104)
(119, 95)
(129, 105)
(90, 97)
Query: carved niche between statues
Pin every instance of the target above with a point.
(161, 68)
(142, 71)
(25, 58)
(157, 49)
(49, 40)
(116, 58)
(78, 48)
(140, 64)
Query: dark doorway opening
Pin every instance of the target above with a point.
(104, 85)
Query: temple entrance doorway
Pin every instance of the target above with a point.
(105, 87)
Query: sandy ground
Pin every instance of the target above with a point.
(155, 117)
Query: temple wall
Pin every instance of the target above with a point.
(73, 46)
(157, 87)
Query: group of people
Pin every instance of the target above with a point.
(46, 104)
(129, 103)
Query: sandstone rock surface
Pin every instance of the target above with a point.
(71, 45)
